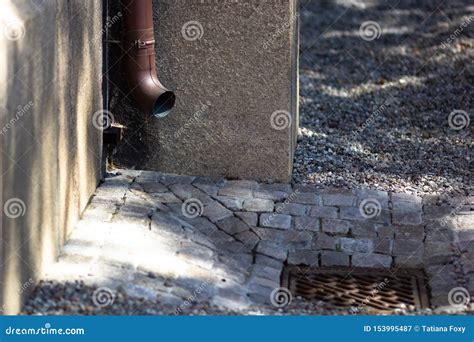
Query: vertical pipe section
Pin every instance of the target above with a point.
(140, 69)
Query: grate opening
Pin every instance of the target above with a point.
(359, 289)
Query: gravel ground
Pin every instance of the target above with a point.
(76, 298)
(375, 113)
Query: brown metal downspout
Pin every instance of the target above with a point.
(140, 70)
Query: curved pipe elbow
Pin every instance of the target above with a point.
(139, 44)
(149, 93)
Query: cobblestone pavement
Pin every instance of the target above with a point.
(181, 241)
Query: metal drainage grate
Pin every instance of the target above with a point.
(359, 289)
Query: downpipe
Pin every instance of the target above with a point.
(139, 63)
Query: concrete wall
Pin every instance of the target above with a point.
(232, 64)
(50, 87)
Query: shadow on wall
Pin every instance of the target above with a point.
(51, 150)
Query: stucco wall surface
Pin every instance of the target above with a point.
(233, 67)
(50, 87)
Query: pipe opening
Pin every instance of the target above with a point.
(163, 104)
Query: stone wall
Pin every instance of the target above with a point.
(50, 87)
(233, 67)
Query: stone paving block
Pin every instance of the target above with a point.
(307, 223)
(383, 245)
(197, 255)
(163, 223)
(248, 238)
(331, 258)
(404, 197)
(274, 192)
(324, 241)
(166, 197)
(275, 220)
(371, 260)
(186, 191)
(293, 209)
(305, 198)
(215, 211)
(438, 253)
(220, 237)
(387, 231)
(233, 246)
(297, 239)
(352, 213)
(408, 261)
(170, 179)
(407, 247)
(238, 189)
(260, 294)
(339, 200)
(350, 245)
(407, 218)
(363, 229)
(303, 257)
(203, 225)
(231, 203)
(258, 205)
(232, 225)
(206, 185)
(261, 281)
(250, 218)
(402, 206)
(264, 260)
(323, 212)
(272, 250)
(382, 197)
(409, 232)
(112, 193)
(153, 187)
(335, 226)
(267, 272)
(148, 176)
(97, 212)
(237, 262)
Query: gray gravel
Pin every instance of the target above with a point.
(403, 86)
(76, 298)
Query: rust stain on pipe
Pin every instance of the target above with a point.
(140, 69)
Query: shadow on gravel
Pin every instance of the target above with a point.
(376, 112)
